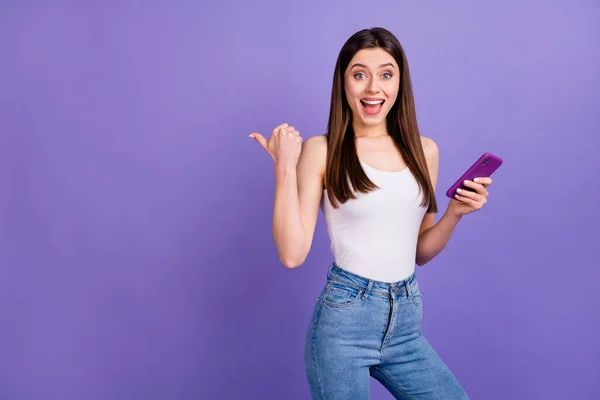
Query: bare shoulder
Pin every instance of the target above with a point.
(432, 157)
(317, 144)
(314, 152)
(430, 148)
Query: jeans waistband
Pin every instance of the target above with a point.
(336, 273)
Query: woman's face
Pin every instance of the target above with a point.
(372, 81)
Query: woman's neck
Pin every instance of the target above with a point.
(361, 130)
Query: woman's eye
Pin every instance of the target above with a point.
(387, 75)
(360, 75)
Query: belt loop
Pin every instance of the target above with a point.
(329, 270)
(408, 288)
(367, 290)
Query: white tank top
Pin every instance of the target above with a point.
(375, 235)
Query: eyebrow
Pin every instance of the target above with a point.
(381, 66)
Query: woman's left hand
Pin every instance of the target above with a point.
(465, 201)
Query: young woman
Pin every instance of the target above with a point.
(374, 176)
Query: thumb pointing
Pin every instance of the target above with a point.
(260, 139)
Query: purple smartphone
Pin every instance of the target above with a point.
(482, 168)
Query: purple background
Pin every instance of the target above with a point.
(136, 256)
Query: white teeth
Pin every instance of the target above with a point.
(372, 102)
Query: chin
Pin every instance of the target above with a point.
(368, 120)
(371, 121)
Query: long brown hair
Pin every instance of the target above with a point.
(343, 166)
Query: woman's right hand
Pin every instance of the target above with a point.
(284, 145)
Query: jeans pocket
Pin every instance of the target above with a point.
(417, 298)
(340, 295)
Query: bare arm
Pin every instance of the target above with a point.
(433, 237)
(297, 197)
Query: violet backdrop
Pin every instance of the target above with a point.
(136, 256)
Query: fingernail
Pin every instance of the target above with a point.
(459, 190)
(476, 179)
(465, 182)
(251, 135)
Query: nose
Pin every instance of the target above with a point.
(373, 85)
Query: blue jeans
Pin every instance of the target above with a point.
(362, 328)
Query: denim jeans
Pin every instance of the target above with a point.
(362, 328)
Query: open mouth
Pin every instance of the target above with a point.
(372, 107)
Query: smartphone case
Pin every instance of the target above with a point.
(484, 167)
